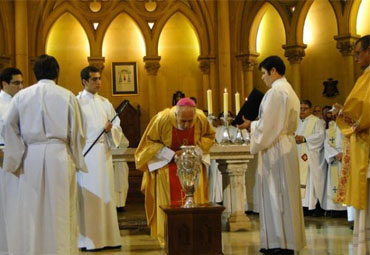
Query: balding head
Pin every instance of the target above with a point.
(184, 116)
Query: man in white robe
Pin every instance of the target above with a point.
(98, 214)
(310, 137)
(333, 157)
(44, 141)
(272, 137)
(11, 81)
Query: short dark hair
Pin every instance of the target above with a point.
(46, 67)
(326, 107)
(7, 75)
(273, 62)
(307, 102)
(365, 42)
(85, 73)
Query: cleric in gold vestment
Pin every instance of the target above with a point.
(354, 122)
(166, 132)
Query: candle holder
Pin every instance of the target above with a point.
(239, 139)
(226, 137)
(211, 118)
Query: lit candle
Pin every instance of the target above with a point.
(237, 102)
(209, 102)
(226, 103)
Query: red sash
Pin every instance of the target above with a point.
(179, 138)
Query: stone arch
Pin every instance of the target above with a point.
(202, 38)
(251, 20)
(55, 15)
(104, 25)
(298, 21)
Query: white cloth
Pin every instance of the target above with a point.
(333, 167)
(315, 181)
(361, 228)
(5, 199)
(121, 171)
(215, 194)
(44, 140)
(98, 215)
(281, 216)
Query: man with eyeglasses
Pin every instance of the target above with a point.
(354, 122)
(309, 138)
(98, 215)
(11, 81)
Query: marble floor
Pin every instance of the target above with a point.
(325, 236)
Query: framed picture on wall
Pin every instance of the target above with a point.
(124, 78)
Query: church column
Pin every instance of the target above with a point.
(204, 65)
(247, 61)
(4, 62)
(295, 54)
(21, 38)
(224, 61)
(98, 62)
(152, 66)
(346, 45)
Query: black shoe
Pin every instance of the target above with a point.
(287, 252)
(264, 251)
(276, 251)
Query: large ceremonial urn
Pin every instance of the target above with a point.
(188, 168)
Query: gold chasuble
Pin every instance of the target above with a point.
(354, 122)
(159, 185)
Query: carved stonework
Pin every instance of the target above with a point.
(346, 44)
(294, 53)
(205, 64)
(98, 62)
(248, 60)
(152, 64)
(5, 62)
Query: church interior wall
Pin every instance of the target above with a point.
(270, 39)
(183, 32)
(322, 59)
(68, 43)
(179, 49)
(124, 42)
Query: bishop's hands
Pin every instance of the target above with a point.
(300, 139)
(246, 124)
(108, 127)
(179, 152)
(339, 156)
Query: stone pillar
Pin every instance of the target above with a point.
(98, 62)
(4, 62)
(152, 66)
(346, 45)
(248, 61)
(205, 67)
(233, 173)
(224, 59)
(295, 54)
(21, 38)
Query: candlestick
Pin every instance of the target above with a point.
(209, 102)
(226, 103)
(237, 102)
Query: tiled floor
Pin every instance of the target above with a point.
(325, 236)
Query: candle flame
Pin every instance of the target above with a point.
(225, 90)
(246, 99)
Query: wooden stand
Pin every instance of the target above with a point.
(193, 231)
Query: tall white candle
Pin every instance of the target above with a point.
(209, 102)
(237, 102)
(226, 103)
